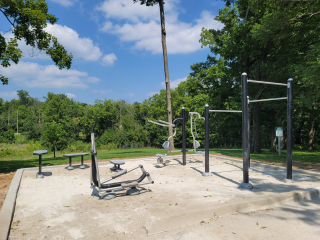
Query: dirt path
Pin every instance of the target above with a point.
(5, 181)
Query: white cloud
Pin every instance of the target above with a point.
(93, 80)
(9, 95)
(135, 12)
(175, 83)
(131, 94)
(71, 95)
(102, 91)
(150, 94)
(34, 75)
(142, 26)
(65, 3)
(80, 47)
(109, 59)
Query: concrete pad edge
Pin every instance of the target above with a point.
(7, 210)
(187, 219)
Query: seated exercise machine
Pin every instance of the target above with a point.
(196, 144)
(99, 186)
(166, 144)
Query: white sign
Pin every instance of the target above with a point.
(279, 131)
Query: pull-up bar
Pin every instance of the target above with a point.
(269, 99)
(272, 83)
(224, 111)
(246, 126)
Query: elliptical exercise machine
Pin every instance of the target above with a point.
(99, 186)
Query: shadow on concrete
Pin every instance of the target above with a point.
(118, 192)
(47, 174)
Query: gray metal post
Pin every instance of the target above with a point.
(289, 128)
(206, 172)
(184, 150)
(249, 119)
(40, 164)
(279, 145)
(245, 135)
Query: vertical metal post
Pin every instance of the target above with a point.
(249, 119)
(206, 172)
(245, 135)
(279, 145)
(70, 167)
(184, 157)
(289, 128)
(40, 160)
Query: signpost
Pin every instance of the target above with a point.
(279, 134)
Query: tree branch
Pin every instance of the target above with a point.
(7, 17)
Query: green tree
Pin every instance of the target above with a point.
(54, 136)
(29, 19)
(266, 39)
(23, 97)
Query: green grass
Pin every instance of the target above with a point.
(299, 156)
(48, 160)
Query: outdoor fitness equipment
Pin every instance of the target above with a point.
(166, 144)
(246, 122)
(196, 144)
(246, 128)
(99, 186)
(206, 172)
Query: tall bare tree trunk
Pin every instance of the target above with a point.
(166, 71)
(312, 129)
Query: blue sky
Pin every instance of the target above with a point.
(117, 49)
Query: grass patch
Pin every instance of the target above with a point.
(48, 160)
(299, 156)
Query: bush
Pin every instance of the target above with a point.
(34, 146)
(8, 136)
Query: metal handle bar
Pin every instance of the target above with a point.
(225, 111)
(175, 131)
(272, 83)
(163, 121)
(269, 99)
(163, 125)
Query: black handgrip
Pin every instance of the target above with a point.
(91, 128)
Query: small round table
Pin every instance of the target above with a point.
(40, 153)
(117, 164)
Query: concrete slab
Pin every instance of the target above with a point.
(60, 206)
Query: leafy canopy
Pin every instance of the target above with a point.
(28, 19)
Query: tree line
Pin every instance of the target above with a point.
(270, 40)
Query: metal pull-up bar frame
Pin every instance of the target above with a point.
(269, 99)
(224, 111)
(206, 145)
(246, 125)
(272, 83)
